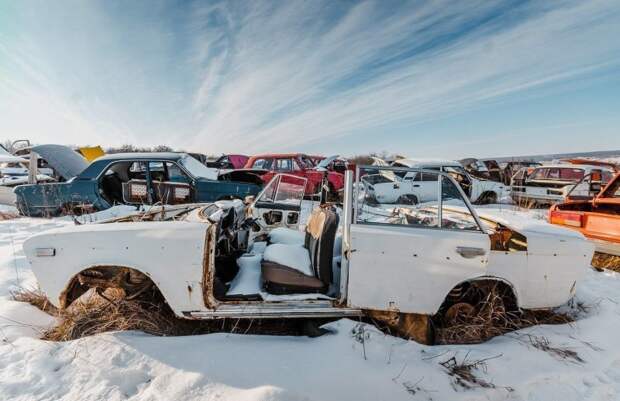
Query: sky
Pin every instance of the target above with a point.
(420, 78)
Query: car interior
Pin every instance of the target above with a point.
(126, 183)
(279, 277)
(298, 263)
(281, 261)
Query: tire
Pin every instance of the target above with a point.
(407, 200)
(487, 198)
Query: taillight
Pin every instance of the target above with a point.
(566, 218)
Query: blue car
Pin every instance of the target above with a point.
(124, 178)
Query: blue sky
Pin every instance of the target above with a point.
(438, 78)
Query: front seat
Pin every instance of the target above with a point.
(280, 279)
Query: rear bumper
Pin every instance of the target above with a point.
(538, 198)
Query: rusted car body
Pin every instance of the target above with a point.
(399, 264)
(598, 219)
(269, 165)
(125, 178)
(228, 162)
(552, 183)
(409, 188)
(485, 169)
(513, 166)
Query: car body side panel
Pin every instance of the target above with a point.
(210, 191)
(170, 253)
(410, 269)
(50, 199)
(545, 275)
(479, 187)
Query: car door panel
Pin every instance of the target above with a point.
(410, 269)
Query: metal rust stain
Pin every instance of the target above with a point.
(412, 326)
(208, 262)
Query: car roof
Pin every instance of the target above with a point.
(143, 156)
(278, 155)
(428, 163)
(586, 167)
(97, 165)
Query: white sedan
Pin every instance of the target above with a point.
(403, 265)
(405, 186)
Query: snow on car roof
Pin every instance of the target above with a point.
(428, 162)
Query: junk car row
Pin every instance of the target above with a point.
(305, 236)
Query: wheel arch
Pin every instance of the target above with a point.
(484, 283)
(74, 289)
(487, 195)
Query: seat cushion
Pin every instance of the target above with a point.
(294, 256)
(279, 279)
(282, 235)
(247, 281)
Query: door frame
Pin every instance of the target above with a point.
(351, 210)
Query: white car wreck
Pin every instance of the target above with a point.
(553, 183)
(401, 265)
(411, 187)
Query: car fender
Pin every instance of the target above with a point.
(171, 254)
(481, 186)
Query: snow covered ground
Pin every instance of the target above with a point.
(355, 362)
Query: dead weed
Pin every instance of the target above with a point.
(94, 314)
(602, 261)
(463, 372)
(491, 318)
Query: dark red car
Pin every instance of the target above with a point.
(297, 164)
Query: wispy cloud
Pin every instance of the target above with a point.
(261, 76)
(287, 76)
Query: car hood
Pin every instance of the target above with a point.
(65, 161)
(524, 222)
(322, 166)
(6, 157)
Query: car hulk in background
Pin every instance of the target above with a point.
(598, 219)
(125, 178)
(300, 165)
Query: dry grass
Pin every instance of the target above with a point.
(489, 319)
(606, 261)
(94, 314)
(35, 298)
(463, 372)
(543, 344)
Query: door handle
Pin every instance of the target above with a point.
(469, 252)
(416, 185)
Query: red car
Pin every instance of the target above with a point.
(598, 219)
(297, 164)
(228, 162)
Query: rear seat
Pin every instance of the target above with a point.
(319, 244)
